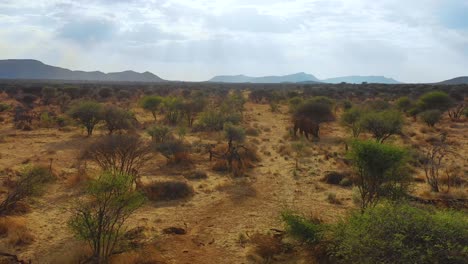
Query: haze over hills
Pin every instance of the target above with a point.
(33, 69)
(458, 80)
(301, 78)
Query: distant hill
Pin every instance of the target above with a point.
(301, 78)
(33, 69)
(458, 80)
(361, 79)
(291, 78)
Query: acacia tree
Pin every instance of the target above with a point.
(88, 113)
(100, 222)
(151, 103)
(435, 100)
(382, 124)
(191, 108)
(381, 171)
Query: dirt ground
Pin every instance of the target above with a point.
(223, 208)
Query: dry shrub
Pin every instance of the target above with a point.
(196, 175)
(333, 177)
(147, 255)
(220, 166)
(182, 158)
(252, 132)
(167, 191)
(266, 246)
(14, 228)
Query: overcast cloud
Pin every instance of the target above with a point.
(193, 40)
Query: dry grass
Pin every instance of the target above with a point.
(147, 255)
(15, 231)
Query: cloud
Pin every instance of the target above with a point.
(419, 40)
(87, 30)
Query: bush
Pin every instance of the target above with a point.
(383, 124)
(435, 100)
(351, 118)
(100, 222)
(116, 118)
(87, 113)
(31, 182)
(196, 175)
(431, 117)
(401, 234)
(124, 154)
(305, 230)
(167, 191)
(214, 120)
(403, 104)
(172, 150)
(159, 134)
(381, 171)
(4, 107)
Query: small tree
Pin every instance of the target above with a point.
(298, 148)
(381, 171)
(192, 108)
(172, 107)
(48, 94)
(100, 222)
(151, 104)
(87, 113)
(352, 119)
(434, 156)
(431, 117)
(383, 124)
(233, 133)
(116, 118)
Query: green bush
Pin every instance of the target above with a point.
(435, 100)
(381, 171)
(403, 104)
(301, 228)
(431, 117)
(151, 104)
(213, 120)
(159, 133)
(116, 118)
(401, 234)
(4, 107)
(351, 118)
(100, 220)
(383, 124)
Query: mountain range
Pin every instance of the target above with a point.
(36, 70)
(301, 77)
(33, 69)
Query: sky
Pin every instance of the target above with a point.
(193, 40)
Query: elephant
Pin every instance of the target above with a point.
(306, 126)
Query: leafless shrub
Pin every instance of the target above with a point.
(118, 153)
(167, 191)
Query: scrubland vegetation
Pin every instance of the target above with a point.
(224, 173)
